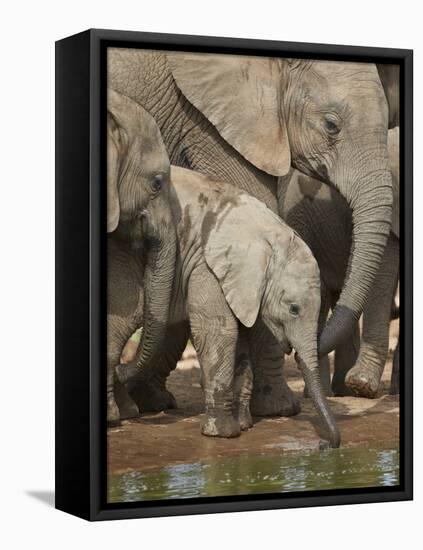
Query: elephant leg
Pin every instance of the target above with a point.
(150, 394)
(127, 406)
(345, 358)
(214, 331)
(119, 403)
(271, 394)
(113, 414)
(395, 375)
(364, 378)
(243, 383)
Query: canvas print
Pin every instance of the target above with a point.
(252, 280)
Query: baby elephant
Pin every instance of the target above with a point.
(238, 268)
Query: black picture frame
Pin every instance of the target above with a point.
(80, 274)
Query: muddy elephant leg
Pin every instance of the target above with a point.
(243, 383)
(395, 375)
(364, 378)
(214, 332)
(151, 394)
(119, 403)
(345, 358)
(271, 394)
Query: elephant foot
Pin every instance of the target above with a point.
(340, 389)
(278, 400)
(220, 425)
(128, 410)
(244, 417)
(395, 375)
(113, 415)
(362, 383)
(152, 397)
(127, 406)
(394, 389)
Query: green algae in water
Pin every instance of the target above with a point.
(248, 474)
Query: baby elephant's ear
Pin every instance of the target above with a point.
(238, 253)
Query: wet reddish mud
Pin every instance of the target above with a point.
(173, 437)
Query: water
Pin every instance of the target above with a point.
(248, 474)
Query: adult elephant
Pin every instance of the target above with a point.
(247, 120)
(323, 220)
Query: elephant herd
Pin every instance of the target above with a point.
(252, 207)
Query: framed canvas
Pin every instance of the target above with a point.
(233, 218)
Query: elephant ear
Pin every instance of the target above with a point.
(238, 251)
(390, 78)
(240, 96)
(113, 208)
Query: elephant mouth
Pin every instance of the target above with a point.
(316, 170)
(286, 346)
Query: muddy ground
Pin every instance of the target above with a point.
(173, 437)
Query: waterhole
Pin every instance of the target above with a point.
(251, 474)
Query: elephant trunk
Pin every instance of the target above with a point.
(310, 371)
(371, 204)
(158, 285)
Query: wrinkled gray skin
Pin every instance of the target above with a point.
(240, 270)
(125, 294)
(137, 185)
(323, 219)
(364, 378)
(246, 120)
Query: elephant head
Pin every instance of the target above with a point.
(138, 187)
(265, 269)
(327, 119)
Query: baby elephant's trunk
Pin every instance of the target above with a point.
(310, 372)
(158, 284)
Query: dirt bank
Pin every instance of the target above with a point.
(173, 437)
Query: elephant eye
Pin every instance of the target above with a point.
(157, 183)
(331, 126)
(294, 309)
